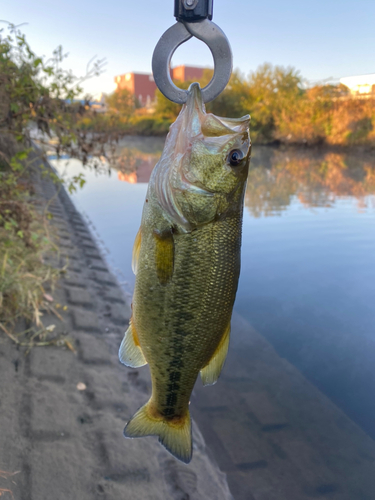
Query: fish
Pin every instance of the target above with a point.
(186, 258)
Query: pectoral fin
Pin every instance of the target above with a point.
(210, 373)
(164, 255)
(130, 353)
(136, 250)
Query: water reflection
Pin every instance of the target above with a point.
(277, 177)
(315, 179)
(135, 166)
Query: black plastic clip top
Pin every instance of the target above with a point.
(192, 11)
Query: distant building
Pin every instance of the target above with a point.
(360, 85)
(187, 73)
(143, 87)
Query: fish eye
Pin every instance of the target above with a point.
(235, 157)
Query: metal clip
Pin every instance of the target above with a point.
(206, 31)
(191, 11)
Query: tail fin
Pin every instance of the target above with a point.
(174, 436)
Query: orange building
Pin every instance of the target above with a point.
(143, 87)
(187, 73)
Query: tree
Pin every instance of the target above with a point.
(232, 102)
(123, 102)
(165, 108)
(272, 92)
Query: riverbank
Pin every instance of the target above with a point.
(63, 413)
(357, 136)
(282, 111)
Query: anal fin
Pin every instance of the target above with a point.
(130, 353)
(210, 373)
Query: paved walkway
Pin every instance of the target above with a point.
(67, 444)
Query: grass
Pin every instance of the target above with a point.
(26, 240)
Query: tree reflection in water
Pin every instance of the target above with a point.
(276, 177)
(316, 179)
(134, 165)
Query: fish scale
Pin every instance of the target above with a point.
(205, 291)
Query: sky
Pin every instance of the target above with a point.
(322, 39)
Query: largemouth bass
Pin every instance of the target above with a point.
(186, 258)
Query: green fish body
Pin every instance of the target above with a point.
(187, 262)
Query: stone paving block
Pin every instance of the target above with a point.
(70, 253)
(114, 294)
(98, 267)
(67, 475)
(239, 486)
(92, 347)
(103, 278)
(93, 255)
(105, 390)
(66, 245)
(79, 297)
(65, 238)
(74, 279)
(84, 234)
(79, 226)
(311, 465)
(120, 314)
(89, 245)
(63, 233)
(86, 238)
(245, 452)
(52, 416)
(266, 411)
(74, 266)
(85, 320)
(49, 362)
(122, 454)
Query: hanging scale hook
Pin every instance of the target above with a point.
(193, 19)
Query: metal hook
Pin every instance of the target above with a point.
(209, 33)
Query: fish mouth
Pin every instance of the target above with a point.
(207, 123)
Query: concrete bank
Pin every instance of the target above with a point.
(65, 443)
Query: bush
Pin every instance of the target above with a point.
(37, 98)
